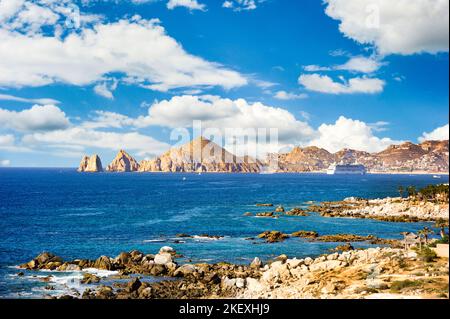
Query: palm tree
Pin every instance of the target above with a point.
(425, 232)
(441, 224)
(412, 192)
(401, 190)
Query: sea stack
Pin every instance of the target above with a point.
(91, 164)
(123, 163)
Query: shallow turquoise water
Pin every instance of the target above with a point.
(88, 215)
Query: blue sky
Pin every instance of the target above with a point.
(99, 75)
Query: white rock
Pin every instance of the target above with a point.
(163, 259)
(240, 283)
(253, 285)
(167, 249)
(308, 261)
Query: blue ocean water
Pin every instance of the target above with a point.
(87, 215)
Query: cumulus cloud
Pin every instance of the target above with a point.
(283, 95)
(349, 133)
(222, 113)
(439, 134)
(190, 4)
(325, 84)
(394, 27)
(37, 118)
(137, 48)
(7, 97)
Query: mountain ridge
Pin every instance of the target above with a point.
(203, 155)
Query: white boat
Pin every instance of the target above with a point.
(346, 169)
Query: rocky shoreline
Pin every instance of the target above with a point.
(369, 273)
(386, 209)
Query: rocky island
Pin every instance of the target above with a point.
(91, 164)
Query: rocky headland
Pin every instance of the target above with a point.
(387, 209)
(90, 164)
(369, 273)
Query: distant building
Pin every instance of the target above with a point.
(346, 169)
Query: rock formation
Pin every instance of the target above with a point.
(200, 155)
(123, 162)
(91, 164)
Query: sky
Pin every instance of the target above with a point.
(96, 76)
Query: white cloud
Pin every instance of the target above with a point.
(5, 162)
(83, 137)
(37, 118)
(394, 27)
(6, 97)
(325, 84)
(359, 64)
(190, 4)
(106, 89)
(439, 134)
(242, 5)
(140, 49)
(349, 133)
(221, 113)
(283, 95)
(103, 119)
(7, 140)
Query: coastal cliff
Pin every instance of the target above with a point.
(123, 162)
(200, 155)
(91, 164)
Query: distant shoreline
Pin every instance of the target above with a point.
(243, 173)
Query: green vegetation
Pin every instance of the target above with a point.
(426, 254)
(434, 193)
(442, 224)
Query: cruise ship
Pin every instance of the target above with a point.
(346, 169)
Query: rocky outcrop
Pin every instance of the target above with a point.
(429, 156)
(123, 162)
(91, 164)
(354, 274)
(386, 209)
(200, 155)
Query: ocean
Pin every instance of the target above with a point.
(87, 215)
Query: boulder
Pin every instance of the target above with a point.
(90, 279)
(185, 270)
(166, 249)
(325, 265)
(133, 285)
(123, 258)
(103, 262)
(163, 258)
(256, 263)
